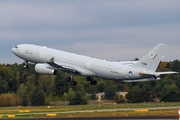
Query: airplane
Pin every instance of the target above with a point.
(48, 61)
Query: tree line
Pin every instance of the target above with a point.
(20, 86)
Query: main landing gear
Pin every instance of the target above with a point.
(71, 80)
(74, 83)
(92, 82)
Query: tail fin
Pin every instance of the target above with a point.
(151, 60)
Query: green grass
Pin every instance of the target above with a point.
(43, 109)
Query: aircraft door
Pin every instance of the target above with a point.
(21, 49)
(123, 73)
(42, 54)
(88, 65)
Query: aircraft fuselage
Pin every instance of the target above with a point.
(97, 67)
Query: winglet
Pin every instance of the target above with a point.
(51, 60)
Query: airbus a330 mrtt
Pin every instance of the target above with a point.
(49, 60)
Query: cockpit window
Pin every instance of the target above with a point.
(16, 47)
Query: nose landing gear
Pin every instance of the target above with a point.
(71, 80)
(25, 64)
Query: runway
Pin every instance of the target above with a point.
(105, 118)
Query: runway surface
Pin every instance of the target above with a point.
(104, 110)
(100, 118)
(104, 118)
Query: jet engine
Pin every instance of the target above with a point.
(44, 69)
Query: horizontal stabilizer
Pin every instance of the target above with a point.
(164, 73)
(141, 80)
(151, 76)
(156, 74)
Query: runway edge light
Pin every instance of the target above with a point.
(179, 113)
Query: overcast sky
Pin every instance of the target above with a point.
(106, 29)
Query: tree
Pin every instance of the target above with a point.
(161, 66)
(91, 89)
(30, 88)
(31, 78)
(17, 78)
(170, 93)
(119, 99)
(101, 86)
(46, 83)
(60, 84)
(177, 79)
(110, 92)
(93, 97)
(24, 101)
(22, 92)
(134, 95)
(80, 88)
(147, 94)
(69, 95)
(157, 89)
(38, 97)
(3, 86)
(126, 87)
(174, 66)
(78, 99)
(9, 99)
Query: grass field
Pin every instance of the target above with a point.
(80, 110)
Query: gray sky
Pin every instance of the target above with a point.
(106, 29)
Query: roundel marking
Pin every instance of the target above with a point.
(152, 55)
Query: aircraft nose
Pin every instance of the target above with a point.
(14, 50)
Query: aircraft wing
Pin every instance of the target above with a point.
(70, 68)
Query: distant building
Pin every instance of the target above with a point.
(99, 96)
(122, 94)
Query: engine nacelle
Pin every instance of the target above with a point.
(43, 69)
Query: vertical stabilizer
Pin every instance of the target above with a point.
(151, 60)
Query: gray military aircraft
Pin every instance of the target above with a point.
(48, 61)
